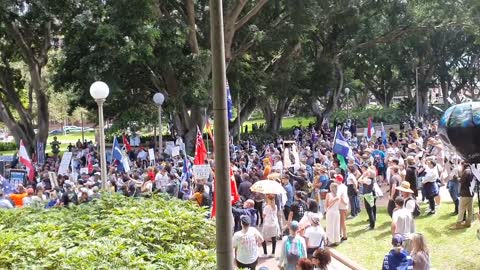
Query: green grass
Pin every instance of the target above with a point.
(286, 122)
(64, 139)
(450, 249)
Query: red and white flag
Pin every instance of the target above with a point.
(235, 197)
(127, 145)
(200, 149)
(26, 161)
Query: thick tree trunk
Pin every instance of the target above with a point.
(274, 118)
(245, 112)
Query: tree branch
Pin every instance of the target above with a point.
(250, 15)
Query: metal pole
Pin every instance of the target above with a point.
(160, 143)
(417, 115)
(222, 156)
(348, 107)
(103, 159)
(83, 132)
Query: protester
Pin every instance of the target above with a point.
(304, 264)
(245, 244)
(17, 198)
(352, 190)
(429, 183)
(420, 254)
(321, 259)
(465, 210)
(333, 216)
(397, 258)
(298, 208)
(367, 182)
(4, 203)
(314, 236)
(293, 248)
(343, 202)
(290, 196)
(270, 229)
(402, 221)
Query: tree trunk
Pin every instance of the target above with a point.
(274, 118)
(245, 112)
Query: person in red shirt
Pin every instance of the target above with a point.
(17, 198)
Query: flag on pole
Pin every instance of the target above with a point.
(384, 136)
(25, 160)
(117, 154)
(210, 132)
(341, 146)
(229, 103)
(342, 162)
(186, 170)
(370, 129)
(235, 197)
(200, 149)
(126, 144)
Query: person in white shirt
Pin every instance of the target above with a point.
(429, 184)
(409, 202)
(402, 222)
(245, 244)
(342, 194)
(314, 236)
(4, 203)
(161, 180)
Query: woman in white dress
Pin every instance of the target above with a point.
(333, 216)
(270, 228)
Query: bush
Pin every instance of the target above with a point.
(8, 146)
(115, 232)
(392, 115)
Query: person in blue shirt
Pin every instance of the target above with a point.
(379, 162)
(397, 258)
(290, 195)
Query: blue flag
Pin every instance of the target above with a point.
(341, 147)
(229, 103)
(384, 136)
(117, 155)
(186, 170)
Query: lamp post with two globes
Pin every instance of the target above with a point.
(99, 91)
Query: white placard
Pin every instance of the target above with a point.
(53, 179)
(168, 147)
(151, 154)
(378, 133)
(65, 163)
(201, 171)
(83, 170)
(176, 151)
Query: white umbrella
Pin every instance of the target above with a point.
(267, 187)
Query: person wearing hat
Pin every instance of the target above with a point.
(397, 258)
(402, 221)
(245, 244)
(293, 248)
(411, 175)
(314, 236)
(409, 202)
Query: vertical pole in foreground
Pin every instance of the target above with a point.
(239, 121)
(417, 115)
(103, 158)
(222, 158)
(160, 139)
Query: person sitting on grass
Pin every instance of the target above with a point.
(397, 258)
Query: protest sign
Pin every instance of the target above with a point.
(151, 154)
(201, 171)
(53, 179)
(65, 163)
(176, 151)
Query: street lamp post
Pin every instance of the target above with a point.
(347, 91)
(159, 98)
(99, 91)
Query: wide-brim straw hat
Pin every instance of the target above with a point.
(405, 187)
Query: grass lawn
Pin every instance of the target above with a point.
(286, 122)
(64, 139)
(450, 249)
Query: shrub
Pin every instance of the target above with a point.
(115, 232)
(8, 146)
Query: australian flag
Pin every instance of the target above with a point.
(186, 169)
(229, 103)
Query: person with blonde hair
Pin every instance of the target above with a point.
(420, 254)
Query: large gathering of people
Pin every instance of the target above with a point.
(321, 189)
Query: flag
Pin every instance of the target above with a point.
(370, 129)
(186, 169)
(229, 103)
(126, 144)
(200, 149)
(89, 163)
(118, 155)
(235, 197)
(342, 162)
(25, 160)
(341, 146)
(210, 133)
(384, 136)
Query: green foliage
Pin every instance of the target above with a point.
(390, 115)
(115, 232)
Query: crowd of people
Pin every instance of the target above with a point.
(322, 189)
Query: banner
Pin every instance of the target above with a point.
(65, 163)
(176, 151)
(53, 179)
(17, 177)
(168, 147)
(151, 154)
(40, 153)
(201, 171)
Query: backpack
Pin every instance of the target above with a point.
(206, 200)
(416, 211)
(294, 250)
